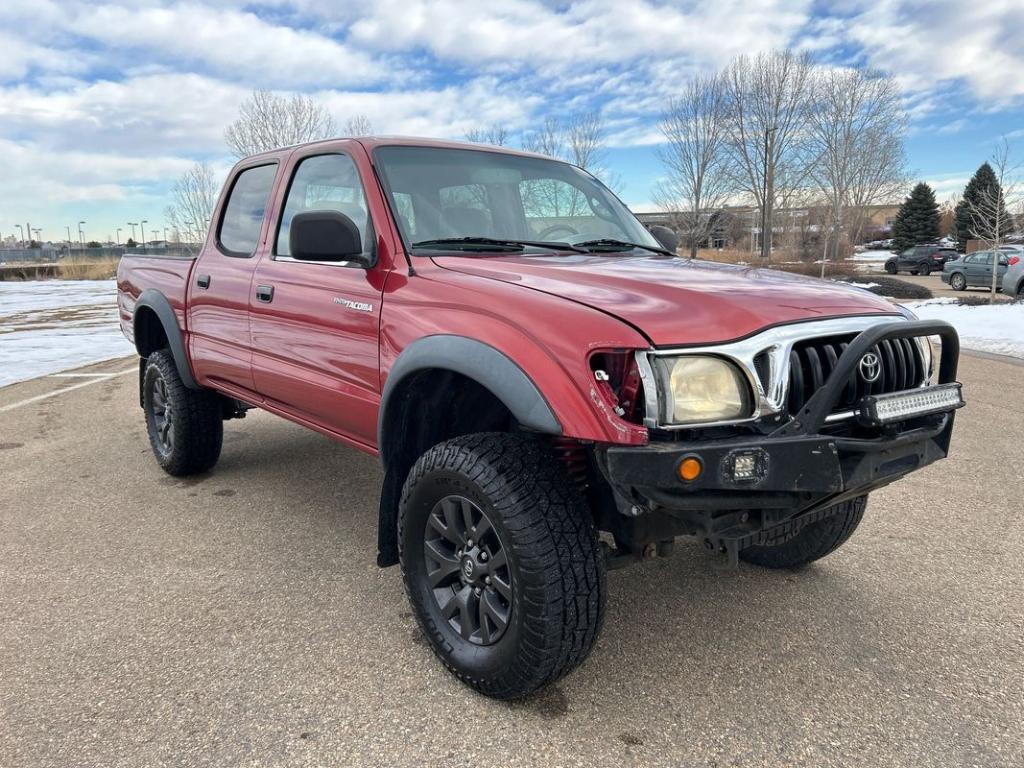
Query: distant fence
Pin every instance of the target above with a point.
(55, 255)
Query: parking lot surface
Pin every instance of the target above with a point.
(238, 619)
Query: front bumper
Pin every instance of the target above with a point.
(785, 473)
(805, 465)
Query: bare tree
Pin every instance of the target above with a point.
(358, 125)
(548, 140)
(269, 120)
(989, 218)
(767, 128)
(694, 157)
(495, 134)
(193, 197)
(855, 132)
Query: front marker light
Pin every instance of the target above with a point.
(898, 406)
(701, 389)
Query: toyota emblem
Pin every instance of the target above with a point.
(870, 368)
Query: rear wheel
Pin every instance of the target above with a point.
(185, 426)
(925, 270)
(501, 562)
(957, 281)
(811, 542)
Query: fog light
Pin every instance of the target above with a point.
(748, 467)
(690, 469)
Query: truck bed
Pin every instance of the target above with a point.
(167, 274)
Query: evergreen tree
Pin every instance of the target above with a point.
(979, 195)
(917, 220)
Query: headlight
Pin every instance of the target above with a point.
(699, 389)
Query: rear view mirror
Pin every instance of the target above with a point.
(668, 238)
(325, 236)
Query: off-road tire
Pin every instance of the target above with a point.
(957, 281)
(811, 542)
(197, 428)
(555, 562)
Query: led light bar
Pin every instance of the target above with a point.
(898, 406)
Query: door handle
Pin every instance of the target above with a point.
(203, 281)
(265, 293)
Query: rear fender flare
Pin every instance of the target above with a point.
(161, 307)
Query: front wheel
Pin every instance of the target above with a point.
(501, 562)
(811, 542)
(958, 282)
(890, 267)
(185, 426)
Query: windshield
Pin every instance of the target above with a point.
(440, 195)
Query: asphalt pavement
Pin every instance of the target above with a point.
(238, 619)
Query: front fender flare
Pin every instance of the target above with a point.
(484, 364)
(158, 303)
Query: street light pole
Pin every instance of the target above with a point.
(132, 224)
(143, 224)
(118, 235)
(21, 229)
(81, 235)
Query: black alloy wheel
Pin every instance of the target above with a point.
(162, 431)
(468, 570)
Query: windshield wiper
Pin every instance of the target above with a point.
(614, 244)
(490, 242)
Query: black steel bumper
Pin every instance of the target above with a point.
(802, 466)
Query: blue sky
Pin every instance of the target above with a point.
(103, 105)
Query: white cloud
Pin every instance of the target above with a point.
(578, 35)
(37, 178)
(928, 45)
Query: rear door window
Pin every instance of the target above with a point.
(242, 220)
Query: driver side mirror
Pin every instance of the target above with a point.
(326, 236)
(668, 238)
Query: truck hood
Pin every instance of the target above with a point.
(676, 301)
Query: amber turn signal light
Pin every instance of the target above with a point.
(690, 469)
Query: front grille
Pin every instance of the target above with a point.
(811, 362)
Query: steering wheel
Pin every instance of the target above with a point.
(549, 231)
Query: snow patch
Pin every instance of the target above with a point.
(48, 326)
(997, 328)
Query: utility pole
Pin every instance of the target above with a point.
(768, 197)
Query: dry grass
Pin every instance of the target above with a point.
(781, 261)
(78, 268)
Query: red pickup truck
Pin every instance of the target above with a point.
(552, 391)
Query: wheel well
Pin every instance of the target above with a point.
(426, 408)
(149, 332)
(431, 406)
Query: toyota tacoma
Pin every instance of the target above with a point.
(551, 389)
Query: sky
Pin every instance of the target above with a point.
(103, 105)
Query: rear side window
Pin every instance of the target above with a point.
(243, 215)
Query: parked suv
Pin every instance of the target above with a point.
(920, 260)
(1013, 278)
(534, 369)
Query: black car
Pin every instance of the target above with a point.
(921, 260)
